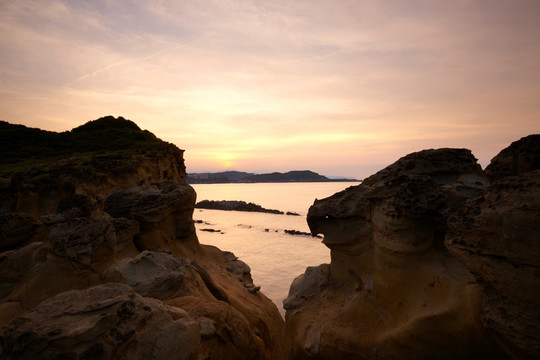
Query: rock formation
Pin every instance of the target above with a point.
(394, 291)
(497, 238)
(117, 272)
(108, 321)
(108, 155)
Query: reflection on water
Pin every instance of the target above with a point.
(258, 239)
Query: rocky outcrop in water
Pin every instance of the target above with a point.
(393, 290)
(235, 205)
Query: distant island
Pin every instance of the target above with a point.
(245, 177)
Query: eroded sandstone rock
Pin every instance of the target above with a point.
(65, 277)
(109, 321)
(497, 238)
(38, 190)
(79, 201)
(215, 288)
(164, 213)
(84, 240)
(18, 229)
(14, 266)
(392, 290)
(520, 157)
(163, 276)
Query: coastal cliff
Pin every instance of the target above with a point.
(116, 271)
(39, 168)
(431, 257)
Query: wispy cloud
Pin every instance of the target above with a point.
(294, 83)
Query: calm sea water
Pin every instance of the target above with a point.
(258, 239)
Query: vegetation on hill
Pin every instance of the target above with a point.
(292, 176)
(19, 143)
(37, 152)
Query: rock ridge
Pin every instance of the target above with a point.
(95, 159)
(430, 257)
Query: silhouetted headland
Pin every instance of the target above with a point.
(275, 177)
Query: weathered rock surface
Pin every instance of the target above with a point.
(103, 156)
(85, 241)
(392, 289)
(18, 229)
(497, 238)
(520, 157)
(163, 276)
(165, 213)
(109, 321)
(75, 253)
(112, 267)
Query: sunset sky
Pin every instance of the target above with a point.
(335, 86)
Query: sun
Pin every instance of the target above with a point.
(226, 160)
(227, 163)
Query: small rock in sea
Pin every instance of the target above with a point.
(302, 233)
(292, 213)
(211, 230)
(234, 205)
(266, 230)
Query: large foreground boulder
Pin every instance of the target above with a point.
(109, 321)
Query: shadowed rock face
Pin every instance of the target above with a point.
(392, 288)
(39, 189)
(84, 240)
(109, 321)
(497, 238)
(520, 157)
(18, 229)
(164, 213)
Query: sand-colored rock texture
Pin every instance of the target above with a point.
(96, 159)
(497, 237)
(125, 277)
(431, 258)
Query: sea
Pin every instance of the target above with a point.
(275, 257)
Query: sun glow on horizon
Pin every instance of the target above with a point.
(225, 159)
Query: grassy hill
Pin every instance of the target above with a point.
(22, 146)
(19, 143)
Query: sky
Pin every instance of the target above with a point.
(342, 88)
